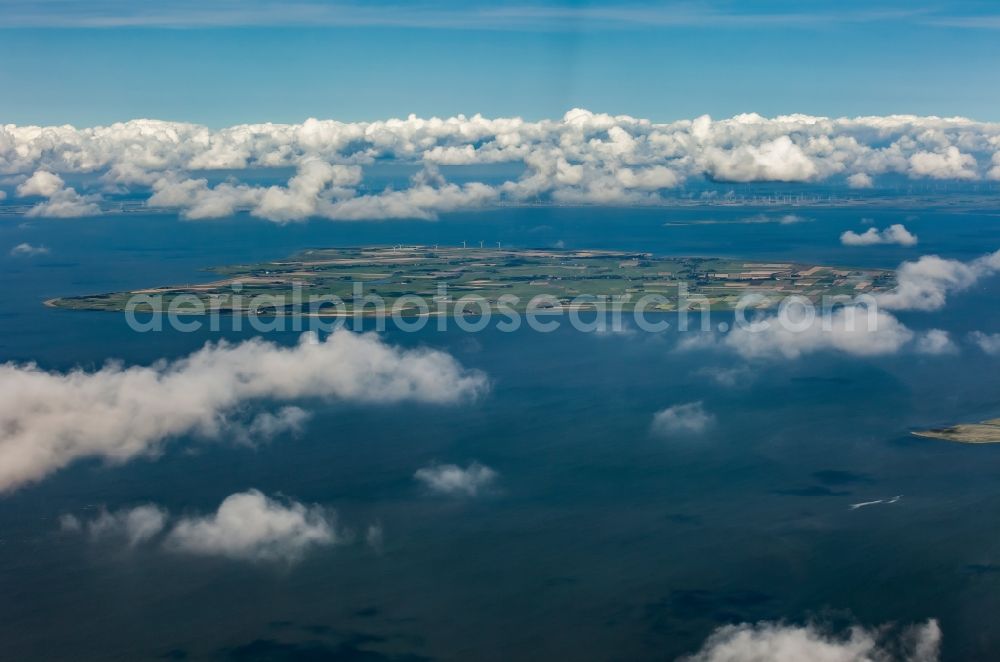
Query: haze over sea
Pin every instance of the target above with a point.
(600, 539)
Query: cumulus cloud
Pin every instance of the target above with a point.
(774, 160)
(688, 418)
(988, 342)
(418, 202)
(250, 526)
(853, 330)
(28, 250)
(949, 163)
(925, 284)
(50, 419)
(453, 480)
(857, 329)
(194, 199)
(306, 190)
(894, 234)
(778, 642)
(318, 191)
(313, 187)
(42, 183)
(66, 204)
(246, 526)
(63, 201)
(581, 158)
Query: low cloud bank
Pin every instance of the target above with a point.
(581, 158)
(777, 642)
(247, 526)
(50, 419)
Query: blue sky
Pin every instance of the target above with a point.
(222, 63)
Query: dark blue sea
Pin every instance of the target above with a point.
(601, 541)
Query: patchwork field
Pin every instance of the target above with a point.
(442, 275)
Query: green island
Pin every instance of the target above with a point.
(567, 277)
(986, 432)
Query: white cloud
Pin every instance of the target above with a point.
(318, 190)
(894, 234)
(246, 526)
(688, 418)
(63, 201)
(305, 190)
(988, 342)
(926, 283)
(777, 642)
(779, 159)
(250, 526)
(66, 204)
(27, 249)
(50, 419)
(948, 164)
(453, 480)
(935, 341)
(648, 179)
(42, 183)
(268, 425)
(581, 158)
(994, 172)
(857, 330)
(853, 330)
(418, 202)
(195, 200)
(860, 180)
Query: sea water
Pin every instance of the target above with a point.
(601, 541)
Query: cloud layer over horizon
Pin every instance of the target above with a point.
(581, 158)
